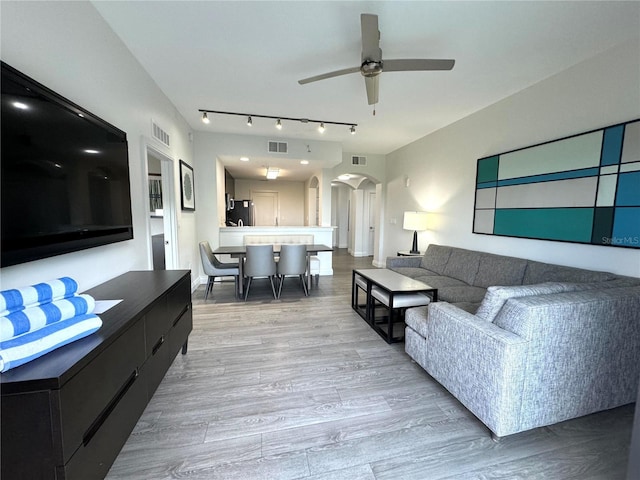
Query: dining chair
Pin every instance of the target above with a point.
(293, 261)
(259, 262)
(215, 268)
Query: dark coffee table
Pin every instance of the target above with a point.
(392, 290)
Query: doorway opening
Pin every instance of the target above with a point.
(162, 229)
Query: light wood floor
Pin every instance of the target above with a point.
(303, 388)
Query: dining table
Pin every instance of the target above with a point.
(240, 251)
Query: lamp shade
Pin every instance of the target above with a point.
(416, 221)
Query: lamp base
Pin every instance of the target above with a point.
(414, 247)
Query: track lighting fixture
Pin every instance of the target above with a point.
(321, 123)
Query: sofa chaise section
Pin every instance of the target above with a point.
(544, 359)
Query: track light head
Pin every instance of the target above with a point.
(249, 121)
(321, 127)
(279, 125)
(353, 130)
(205, 119)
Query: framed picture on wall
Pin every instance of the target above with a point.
(188, 198)
(155, 194)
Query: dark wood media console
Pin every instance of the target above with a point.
(67, 414)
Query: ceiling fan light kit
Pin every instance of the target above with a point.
(372, 64)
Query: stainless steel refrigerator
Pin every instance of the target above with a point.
(239, 213)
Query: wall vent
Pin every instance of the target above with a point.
(355, 160)
(278, 147)
(159, 134)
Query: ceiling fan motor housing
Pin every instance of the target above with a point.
(371, 68)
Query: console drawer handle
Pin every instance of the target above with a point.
(157, 346)
(175, 322)
(97, 423)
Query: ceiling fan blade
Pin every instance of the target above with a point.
(337, 73)
(409, 64)
(370, 38)
(372, 84)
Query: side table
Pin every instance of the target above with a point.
(394, 291)
(407, 253)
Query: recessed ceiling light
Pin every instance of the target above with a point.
(20, 105)
(244, 159)
(304, 162)
(89, 150)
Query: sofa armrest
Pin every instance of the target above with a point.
(480, 363)
(407, 261)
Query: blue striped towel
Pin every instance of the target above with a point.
(34, 318)
(24, 348)
(20, 298)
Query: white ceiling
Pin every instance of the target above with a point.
(248, 56)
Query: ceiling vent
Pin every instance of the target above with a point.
(159, 134)
(355, 160)
(278, 147)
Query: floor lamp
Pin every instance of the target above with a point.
(416, 221)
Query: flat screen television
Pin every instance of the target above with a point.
(64, 181)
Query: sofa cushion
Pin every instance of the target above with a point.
(499, 270)
(413, 272)
(497, 296)
(439, 281)
(416, 318)
(436, 258)
(461, 293)
(471, 307)
(463, 265)
(538, 272)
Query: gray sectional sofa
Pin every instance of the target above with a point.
(524, 344)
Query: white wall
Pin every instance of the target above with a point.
(441, 166)
(68, 47)
(375, 168)
(291, 198)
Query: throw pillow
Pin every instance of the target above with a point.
(496, 296)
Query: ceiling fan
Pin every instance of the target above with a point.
(372, 64)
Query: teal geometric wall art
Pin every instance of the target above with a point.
(584, 189)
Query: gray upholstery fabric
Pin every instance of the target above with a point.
(497, 296)
(436, 258)
(499, 270)
(538, 272)
(393, 263)
(457, 293)
(439, 281)
(416, 318)
(463, 265)
(546, 358)
(471, 307)
(412, 272)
